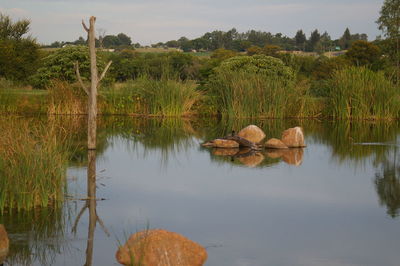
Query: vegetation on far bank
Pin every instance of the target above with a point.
(263, 81)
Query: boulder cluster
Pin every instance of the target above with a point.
(291, 138)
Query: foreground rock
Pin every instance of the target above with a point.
(252, 133)
(275, 144)
(162, 248)
(4, 243)
(293, 137)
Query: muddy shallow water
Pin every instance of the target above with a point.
(334, 203)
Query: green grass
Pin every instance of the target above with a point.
(33, 164)
(167, 97)
(360, 93)
(240, 94)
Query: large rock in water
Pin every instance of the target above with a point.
(4, 243)
(161, 248)
(275, 144)
(252, 133)
(293, 137)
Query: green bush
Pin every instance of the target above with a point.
(60, 66)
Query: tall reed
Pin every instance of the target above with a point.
(33, 165)
(65, 98)
(168, 97)
(360, 93)
(242, 94)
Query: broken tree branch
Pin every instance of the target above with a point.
(104, 72)
(78, 75)
(73, 230)
(243, 142)
(84, 26)
(102, 225)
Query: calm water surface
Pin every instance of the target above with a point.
(334, 203)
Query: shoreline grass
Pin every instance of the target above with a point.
(33, 162)
(354, 93)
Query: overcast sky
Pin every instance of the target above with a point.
(151, 21)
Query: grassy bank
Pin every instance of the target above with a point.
(351, 93)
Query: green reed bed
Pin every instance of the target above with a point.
(121, 99)
(242, 94)
(168, 97)
(33, 165)
(66, 99)
(360, 93)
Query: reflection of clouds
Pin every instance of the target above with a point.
(314, 211)
(191, 175)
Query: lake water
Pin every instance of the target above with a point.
(335, 202)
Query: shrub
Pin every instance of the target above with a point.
(60, 66)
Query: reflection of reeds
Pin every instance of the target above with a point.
(36, 235)
(344, 136)
(33, 165)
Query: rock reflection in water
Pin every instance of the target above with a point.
(289, 156)
(251, 158)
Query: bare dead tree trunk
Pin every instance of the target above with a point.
(94, 83)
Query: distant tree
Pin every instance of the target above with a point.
(325, 43)
(101, 33)
(185, 44)
(240, 45)
(80, 41)
(172, 44)
(10, 30)
(124, 39)
(314, 39)
(363, 53)
(19, 55)
(389, 23)
(111, 41)
(345, 40)
(300, 39)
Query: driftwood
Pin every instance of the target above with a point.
(243, 142)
